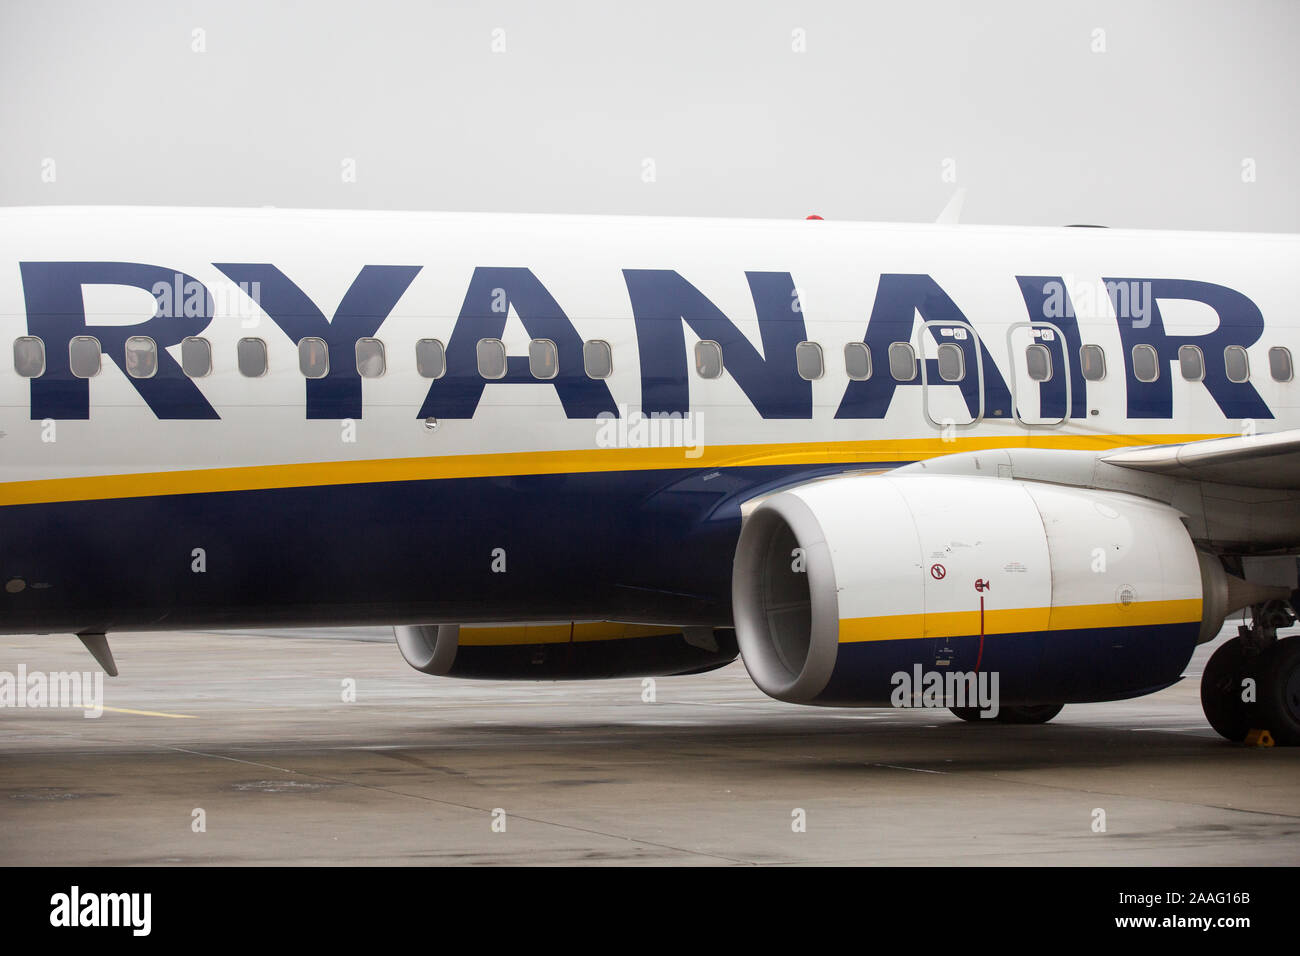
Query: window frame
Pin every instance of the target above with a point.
(266, 356)
(1290, 363)
(478, 358)
(897, 348)
(1038, 348)
(325, 348)
(72, 364)
(548, 344)
(950, 348)
(709, 345)
(152, 351)
(808, 347)
(442, 355)
(383, 356)
(1100, 352)
(40, 342)
(866, 352)
(1146, 349)
(609, 355)
(1191, 349)
(1245, 361)
(207, 346)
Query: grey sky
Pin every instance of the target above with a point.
(1041, 130)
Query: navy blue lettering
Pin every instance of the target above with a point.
(662, 300)
(365, 305)
(56, 313)
(492, 291)
(1240, 323)
(899, 297)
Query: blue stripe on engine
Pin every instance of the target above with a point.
(1074, 666)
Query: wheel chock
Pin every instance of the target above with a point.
(1259, 738)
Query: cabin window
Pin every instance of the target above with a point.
(597, 358)
(29, 356)
(902, 362)
(372, 361)
(1146, 364)
(1279, 364)
(491, 358)
(708, 359)
(1191, 362)
(808, 360)
(1092, 359)
(857, 361)
(84, 356)
(196, 356)
(952, 362)
(543, 359)
(1236, 364)
(250, 355)
(313, 357)
(430, 358)
(141, 357)
(1038, 363)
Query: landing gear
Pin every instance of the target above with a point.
(1223, 684)
(1030, 714)
(1279, 692)
(1252, 682)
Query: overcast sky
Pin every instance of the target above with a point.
(1157, 114)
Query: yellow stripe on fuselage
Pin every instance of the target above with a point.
(894, 627)
(508, 464)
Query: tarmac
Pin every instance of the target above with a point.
(238, 748)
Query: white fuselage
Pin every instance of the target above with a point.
(802, 281)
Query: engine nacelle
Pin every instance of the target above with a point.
(1065, 594)
(568, 651)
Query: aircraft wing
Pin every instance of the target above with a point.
(1250, 461)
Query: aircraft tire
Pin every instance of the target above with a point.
(1230, 716)
(1279, 692)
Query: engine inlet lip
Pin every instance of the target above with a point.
(758, 652)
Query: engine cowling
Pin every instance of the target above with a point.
(582, 650)
(1066, 594)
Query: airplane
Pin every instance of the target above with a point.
(866, 458)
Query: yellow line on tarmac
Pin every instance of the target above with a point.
(143, 713)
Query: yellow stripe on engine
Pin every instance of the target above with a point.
(895, 627)
(585, 631)
(1139, 614)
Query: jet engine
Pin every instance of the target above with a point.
(845, 590)
(582, 650)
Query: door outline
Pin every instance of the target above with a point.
(978, 344)
(1015, 372)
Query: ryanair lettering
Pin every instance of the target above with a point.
(662, 302)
